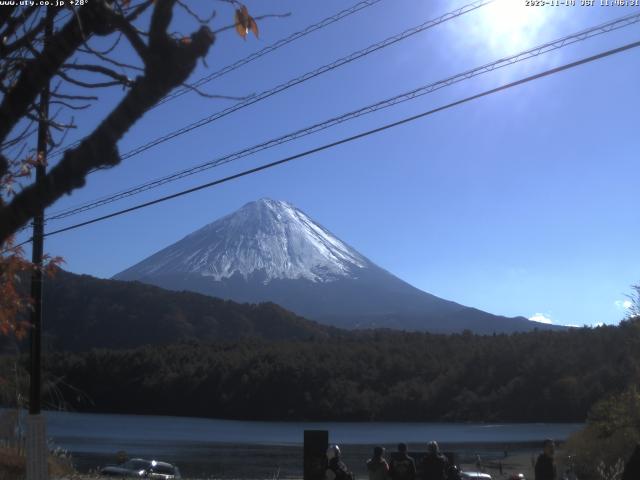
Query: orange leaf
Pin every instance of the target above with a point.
(243, 22)
(241, 27)
(253, 26)
(241, 31)
(185, 40)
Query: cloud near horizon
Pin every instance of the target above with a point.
(541, 318)
(623, 304)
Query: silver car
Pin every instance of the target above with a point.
(475, 476)
(141, 468)
(164, 471)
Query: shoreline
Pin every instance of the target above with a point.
(227, 461)
(470, 423)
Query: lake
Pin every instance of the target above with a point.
(228, 448)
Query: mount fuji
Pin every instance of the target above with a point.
(269, 250)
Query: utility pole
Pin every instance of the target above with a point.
(37, 455)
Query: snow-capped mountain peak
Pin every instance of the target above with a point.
(267, 237)
(269, 251)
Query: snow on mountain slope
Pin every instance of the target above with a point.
(270, 251)
(269, 237)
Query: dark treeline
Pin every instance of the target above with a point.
(378, 375)
(83, 312)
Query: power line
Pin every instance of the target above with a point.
(306, 77)
(309, 75)
(270, 48)
(254, 56)
(420, 91)
(367, 133)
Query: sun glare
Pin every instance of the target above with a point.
(509, 25)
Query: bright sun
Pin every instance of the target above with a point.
(509, 25)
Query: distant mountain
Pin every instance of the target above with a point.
(83, 312)
(270, 251)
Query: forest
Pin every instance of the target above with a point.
(81, 312)
(541, 376)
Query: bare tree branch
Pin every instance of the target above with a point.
(212, 95)
(96, 17)
(123, 79)
(139, 10)
(73, 97)
(14, 22)
(134, 39)
(50, 122)
(108, 50)
(168, 65)
(63, 127)
(82, 84)
(23, 41)
(70, 106)
(56, 144)
(194, 15)
(101, 56)
(23, 135)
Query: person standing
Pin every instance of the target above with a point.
(336, 468)
(402, 466)
(377, 466)
(545, 468)
(434, 464)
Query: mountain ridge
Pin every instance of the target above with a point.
(81, 312)
(268, 250)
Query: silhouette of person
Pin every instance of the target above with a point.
(402, 466)
(545, 468)
(377, 466)
(434, 464)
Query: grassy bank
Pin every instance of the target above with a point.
(13, 465)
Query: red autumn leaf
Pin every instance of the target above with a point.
(13, 300)
(185, 40)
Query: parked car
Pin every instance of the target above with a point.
(141, 468)
(475, 476)
(164, 471)
(136, 467)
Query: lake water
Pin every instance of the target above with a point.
(233, 449)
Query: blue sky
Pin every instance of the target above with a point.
(521, 203)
